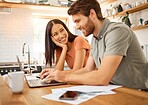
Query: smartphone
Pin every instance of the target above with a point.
(69, 95)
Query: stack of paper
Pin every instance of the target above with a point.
(87, 92)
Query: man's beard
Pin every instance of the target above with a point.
(89, 27)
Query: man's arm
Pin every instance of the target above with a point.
(90, 65)
(102, 76)
(63, 76)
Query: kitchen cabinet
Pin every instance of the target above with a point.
(132, 10)
(30, 6)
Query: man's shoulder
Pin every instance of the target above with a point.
(114, 25)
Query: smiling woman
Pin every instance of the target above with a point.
(59, 34)
(60, 42)
(39, 23)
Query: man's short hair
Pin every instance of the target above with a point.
(84, 6)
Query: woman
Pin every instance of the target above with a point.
(67, 47)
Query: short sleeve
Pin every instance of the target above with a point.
(92, 46)
(81, 43)
(118, 41)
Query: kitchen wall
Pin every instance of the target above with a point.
(17, 28)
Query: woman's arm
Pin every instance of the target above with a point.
(82, 48)
(61, 60)
(79, 59)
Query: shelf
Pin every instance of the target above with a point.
(30, 6)
(140, 27)
(132, 10)
(135, 9)
(107, 2)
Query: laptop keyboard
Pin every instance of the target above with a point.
(36, 82)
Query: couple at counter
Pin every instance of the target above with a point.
(115, 56)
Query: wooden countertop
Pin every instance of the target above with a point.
(32, 96)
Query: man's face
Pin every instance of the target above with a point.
(83, 23)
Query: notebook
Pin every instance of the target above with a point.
(33, 81)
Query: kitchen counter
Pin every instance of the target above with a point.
(6, 67)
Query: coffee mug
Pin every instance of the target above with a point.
(16, 81)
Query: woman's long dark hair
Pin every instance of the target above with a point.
(50, 46)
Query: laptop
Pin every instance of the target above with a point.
(33, 80)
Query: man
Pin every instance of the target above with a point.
(116, 55)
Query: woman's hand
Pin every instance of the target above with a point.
(59, 44)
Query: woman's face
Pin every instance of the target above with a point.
(59, 33)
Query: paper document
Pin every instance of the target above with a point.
(86, 93)
(81, 98)
(86, 88)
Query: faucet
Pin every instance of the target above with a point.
(23, 54)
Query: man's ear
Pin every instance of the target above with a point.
(92, 14)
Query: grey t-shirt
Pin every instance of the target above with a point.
(119, 39)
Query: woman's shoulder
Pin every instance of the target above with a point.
(79, 38)
(81, 42)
